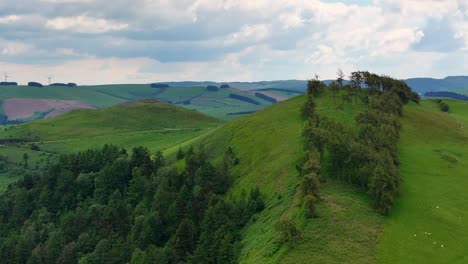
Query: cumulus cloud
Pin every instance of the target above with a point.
(233, 39)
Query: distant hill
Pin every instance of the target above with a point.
(423, 85)
(128, 124)
(218, 103)
(452, 95)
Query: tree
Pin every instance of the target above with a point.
(309, 205)
(159, 161)
(180, 154)
(308, 109)
(184, 240)
(315, 86)
(25, 160)
(289, 232)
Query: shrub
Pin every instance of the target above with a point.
(35, 147)
(225, 86)
(212, 88)
(159, 85)
(35, 84)
(59, 84)
(289, 232)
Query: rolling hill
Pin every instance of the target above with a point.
(147, 122)
(24, 103)
(426, 225)
(222, 103)
(348, 230)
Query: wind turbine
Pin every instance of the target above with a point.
(6, 76)
(50, 78)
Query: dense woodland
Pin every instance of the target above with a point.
(110, 206)
(366, 157)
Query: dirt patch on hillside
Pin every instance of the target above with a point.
(19, 108)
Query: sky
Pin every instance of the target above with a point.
(143, 41)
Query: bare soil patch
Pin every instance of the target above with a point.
(20, 108)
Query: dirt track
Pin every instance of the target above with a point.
(19, 108)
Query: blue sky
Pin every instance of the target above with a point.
(141, 41)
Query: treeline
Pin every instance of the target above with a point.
(443, 106)
(368, 157)
(452, 95)
(110, 206)
(266, 98)
(8, 84)
(243, 99)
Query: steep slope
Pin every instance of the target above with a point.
(269, 145)
(428, 224)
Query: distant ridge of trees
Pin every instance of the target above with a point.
(159, 85)
(266, 98)
(244, 99)
(8, 84)
(452, 95)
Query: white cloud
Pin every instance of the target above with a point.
(11, 48)
(85, 24)
(9, 19)
(250, 34)
(262, 39)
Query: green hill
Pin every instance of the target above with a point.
(218, 103)
(269, 145)
(348, 230)
(426, 225)
(148, 122)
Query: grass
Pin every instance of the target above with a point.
(154, 140)
(269, 145)
(217, 104)
(148, 115)
(142, 123)
(91, 97)
(433, 152)
(36, 159)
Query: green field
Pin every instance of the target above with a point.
(150, 123)
(433, 152)
(217, 104)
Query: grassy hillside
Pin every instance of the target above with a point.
(155, 124)
(428, 224)
(214, 103)
(91, 97)
(269, 145)
(15, 155)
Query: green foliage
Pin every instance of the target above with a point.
(289, 232)
(444, 107)
(105, 206)
(368, 159)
